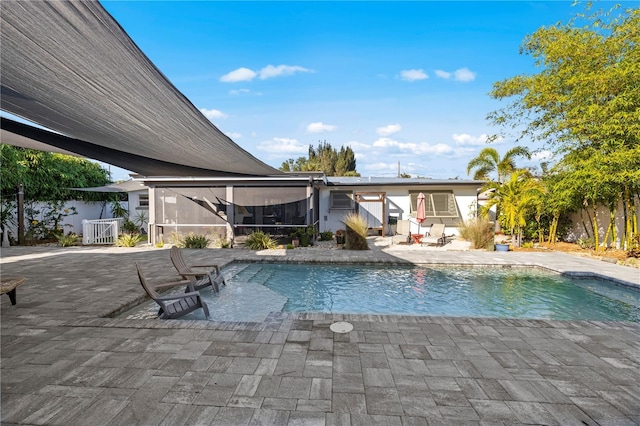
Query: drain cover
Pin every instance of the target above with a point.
(341, 327)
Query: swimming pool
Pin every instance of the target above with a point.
(414, 290)
(484, 292)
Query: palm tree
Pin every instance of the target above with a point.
(489, 161)
(513, 199)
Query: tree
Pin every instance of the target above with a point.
(513, 199)
(488, 161)
(584, 103)
(324, 159)
(48, 176)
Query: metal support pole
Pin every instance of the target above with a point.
(20, 214)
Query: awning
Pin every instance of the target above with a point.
(69, 67)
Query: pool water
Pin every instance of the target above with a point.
(474, 292)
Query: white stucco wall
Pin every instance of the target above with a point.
(73, 223)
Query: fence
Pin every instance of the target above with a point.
(101, 231)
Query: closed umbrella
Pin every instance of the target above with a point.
(421, 213)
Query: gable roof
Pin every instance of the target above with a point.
(70, 67)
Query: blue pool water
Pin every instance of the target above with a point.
(474, 292)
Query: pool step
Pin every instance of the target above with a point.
(249, 273)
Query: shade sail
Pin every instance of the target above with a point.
(126, 186)
(70, 67)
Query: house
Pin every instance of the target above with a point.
(222, 207)
(389, 204)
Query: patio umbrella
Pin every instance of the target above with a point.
(421, 214)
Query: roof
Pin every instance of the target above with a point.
(70, 68)
(377, 181)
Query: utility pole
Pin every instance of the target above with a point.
(398, 168)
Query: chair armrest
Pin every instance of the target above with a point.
(171, 284)
(193, 274)
(205, 266)
(180, 296)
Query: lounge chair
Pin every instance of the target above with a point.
(177, 305)
(200, 279)
(435, 235)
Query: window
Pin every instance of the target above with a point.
(341, 200)
(143, 201)
(437, 203)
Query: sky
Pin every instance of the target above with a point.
(401, 83)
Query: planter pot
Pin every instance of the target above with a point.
(295, 242)
(502, 247)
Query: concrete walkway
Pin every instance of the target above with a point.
(64, 363)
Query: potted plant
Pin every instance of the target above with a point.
(340, 236)
(295, 237)
(305, 236)
(502, 247)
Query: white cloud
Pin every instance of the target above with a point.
(381, 167)
(234, 135)
(461, 74)
(467, 139)
(212, 114)
(414, 148)
(413, 75)
(464, 74)
(319, 127)
(355, 145)
(388, 130)
(443, 74)
(271, 71)
(283, 146)
(241, 74)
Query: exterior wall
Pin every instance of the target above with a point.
(134, 208)
(398, 204)
(86, 210)
(577, 229)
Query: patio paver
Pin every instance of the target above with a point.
(63, 362)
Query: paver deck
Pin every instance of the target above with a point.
(64, 362)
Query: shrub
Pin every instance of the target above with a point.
(68, 240)
(290, 247)
(128, 240)
(193, 241)
(479, 231)
(223, 243)
(130, 227)
(326, 236)
(258, 240)
(356, 235)
(586, 243)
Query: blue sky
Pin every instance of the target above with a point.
(397, 81)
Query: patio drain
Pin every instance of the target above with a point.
(341, 327)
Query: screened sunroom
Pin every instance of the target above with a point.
(222, 209)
